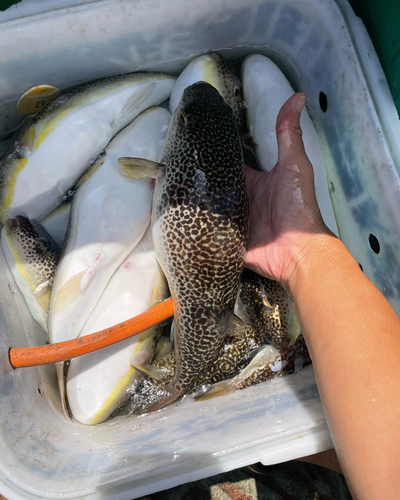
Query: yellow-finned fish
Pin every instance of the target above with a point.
(109, 216)
(60, 142)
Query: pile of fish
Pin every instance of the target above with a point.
(91, 245)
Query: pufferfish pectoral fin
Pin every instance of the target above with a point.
(42, 287)
(259, 364)
(163, 347)
(140, 168)
(154, 372)
(70, 290)
(233, 325)
(28, 135)
(136, 99)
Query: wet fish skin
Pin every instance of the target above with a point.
(270, 310)
(234, 355)
(97, 382)
(57, 221)
(236, 350)
(262, 323)
(55, 146)
(267, 364)
(199, 220)
(32, 256)
(291, 361)
(109, 216)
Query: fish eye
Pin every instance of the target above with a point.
(268, 302)
(236, 91)
(41, 248)
(183, 118)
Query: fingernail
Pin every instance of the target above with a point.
(300, 102)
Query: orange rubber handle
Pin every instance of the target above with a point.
(61, 351)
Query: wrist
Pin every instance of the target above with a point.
(313, 258)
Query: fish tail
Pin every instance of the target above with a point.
(154, 372)
(215, 391)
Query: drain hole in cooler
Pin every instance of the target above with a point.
(323, 101)
(374, 243)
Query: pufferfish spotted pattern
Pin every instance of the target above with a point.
(200, 216)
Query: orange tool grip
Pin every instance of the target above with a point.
(61, 351)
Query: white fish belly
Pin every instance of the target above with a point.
(97, 383)
(194, 72)
(205, 68)
(64, 147)
(56, 223)
(110, 214)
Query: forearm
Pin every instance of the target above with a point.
(353, 336)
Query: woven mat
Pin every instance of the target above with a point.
(289, 481)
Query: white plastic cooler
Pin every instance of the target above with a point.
(322, 47)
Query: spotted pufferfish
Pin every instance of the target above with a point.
(246, 357)
(32, 256)
(199, 220)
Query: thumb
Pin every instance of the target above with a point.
(288, 132)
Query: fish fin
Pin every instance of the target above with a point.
(28, 137)
(154, 372)
(255, 351)
(69, 291)
(163, 347)
(233, 325)
(40, 288)
(172, 334)
(139, 168)
(91, 170)
(215, 391)
(136, 100)
(61, 386)
(170, 394)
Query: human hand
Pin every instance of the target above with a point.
(284, 213)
